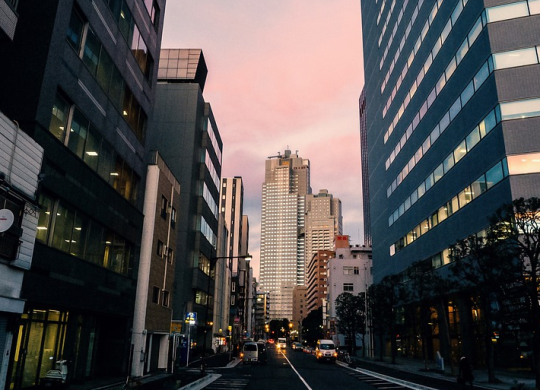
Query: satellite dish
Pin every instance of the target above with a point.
(6, 219)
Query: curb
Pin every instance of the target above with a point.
(201, 383)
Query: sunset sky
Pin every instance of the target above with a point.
(281, 73)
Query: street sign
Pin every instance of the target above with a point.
(191, 318)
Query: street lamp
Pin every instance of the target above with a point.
(213, 262)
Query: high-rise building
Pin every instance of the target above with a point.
(453, 108)
(231, 207)
(362, 106)
(187, 137)
(299, 309)
(81, 78)
(317, 279)
(323, 221)
(286, 184)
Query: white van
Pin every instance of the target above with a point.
(326, 351)
(282, 342)
(250, 352)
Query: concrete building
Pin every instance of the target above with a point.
(323, 222)
(299, 308)
(187, 137)
(81, 81)
(20, 164)
(348, 271)
(155, 283)
(286, 184)
(262, 308)
(453, 108)
(317, 279)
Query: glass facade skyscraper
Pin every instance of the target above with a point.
(453, 104)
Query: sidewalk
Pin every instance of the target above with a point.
(507, 379)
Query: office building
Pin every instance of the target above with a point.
(187, 137)
(362, 105)
(81, 81)
(286, 184)
(323, 222)
(299, 309)
(453, 108)
(452, 100)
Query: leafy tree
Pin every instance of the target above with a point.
(312, 326)
(482, 264)
(351, 317)
(518, 224)
(383, 299)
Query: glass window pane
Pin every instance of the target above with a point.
(78, 238)
(443, 213)
(421, 190)
(455, 204)
(44, 221)
(78, 133)
(450, 69)
(448, 163)
(465, 197)
(467, 93)
(59, 118)
(95, 249)
(455, 109)
(515, 58)
(92, 148)
(460, 151)
(104, 70)
(520, 109)
(478, 187)
(481, 76)
(524, 163)
(434, 134)
(429, 182)
(507, 11)
(445, 121)
(494, 175)
(475, 31)
(446, 31)
(107, 158)
(92, 48)
(63, 228)
(472, 139)
(75, 31)
(457, 12)
(462, 51)
(438, 173)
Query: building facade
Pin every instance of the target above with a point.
(187, 137)
(81, 77)
(362, 106)
(155, 282)
(19, 211)
(317, 279)
(453, 104)
(287, 182)
(349, 270)
(323, 222)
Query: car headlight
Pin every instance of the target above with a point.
(335, 354)
(241, 354)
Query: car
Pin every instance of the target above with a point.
(261, 352)
(296, 346)
(250, 353)
(270, 341)
(326, 351)
(282, 342)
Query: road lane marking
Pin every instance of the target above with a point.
(297, 373)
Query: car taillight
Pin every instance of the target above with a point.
(241, 354)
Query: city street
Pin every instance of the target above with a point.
(295, 370)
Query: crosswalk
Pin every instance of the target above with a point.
(229, 383)
(376, 382)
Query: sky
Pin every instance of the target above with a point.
(281, 74)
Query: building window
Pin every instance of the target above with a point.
(233, 286)
(165, 298)
(160, 247)
(173, 217)
(233, 300)
(164, 204)
(155, 295)
(170, 255)
(10, 238)
(348, 287)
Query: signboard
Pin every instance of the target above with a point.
(176, 327)
(191, 318)
(6, 219)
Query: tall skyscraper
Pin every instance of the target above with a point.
(287, 182)
(323, 222)
(362, 106)
(453, 108)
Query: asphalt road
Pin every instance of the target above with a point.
(294, 370)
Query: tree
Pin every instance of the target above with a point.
(518, 224)
(351, 316)
(481, 265)
(383, 299)
(312, 326)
